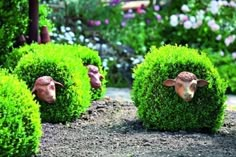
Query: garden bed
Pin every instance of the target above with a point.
(111, 128)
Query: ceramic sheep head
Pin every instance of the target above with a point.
(95, 76)
(185, 84)
(45, 89)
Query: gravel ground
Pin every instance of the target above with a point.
(110, 129)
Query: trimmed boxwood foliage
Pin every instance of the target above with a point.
(12, 24)
(20, 125)
(87, 55)
(74, 98)
(159, 107)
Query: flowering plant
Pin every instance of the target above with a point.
(208, 24)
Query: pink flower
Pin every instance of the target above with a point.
(156, 7)
(106, 21)
(123, 23)
(230, 39)
(213, 25)
(183, 17)
(140, 10)
(97, 23)
(158, 16)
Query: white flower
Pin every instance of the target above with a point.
(68, 29)
(230, 39)
(90, 45)
(72, 34)
(200, 14)
(222, 3)
(111, 59)
(185, 8)
(118, 65)
(63, 29)
(197, 24)
(234, 55)
(192, 19)
(214, 7)
(174, 20)
(232, 4)
(81, 38)
(86, 40)
(104, 46)
(219, 37)
(187, 24)
(222, 53)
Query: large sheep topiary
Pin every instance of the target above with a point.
(88, 56)
(73, 98)
(163, 108)
(20, 125)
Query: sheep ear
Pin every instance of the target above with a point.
(201, 83)
(59, 83)
(169, 82)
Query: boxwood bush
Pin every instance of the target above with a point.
(159, 107)
(87, 55)
(74, 98)
(13, 24)
(20, 125)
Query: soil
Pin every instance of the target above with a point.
(110, 128)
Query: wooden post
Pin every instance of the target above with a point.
(33, 20)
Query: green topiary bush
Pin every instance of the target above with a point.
(20, 126)
(87, 55)
(74, 98)
(159, 107)
(12, 24)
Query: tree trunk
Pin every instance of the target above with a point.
(33, 20)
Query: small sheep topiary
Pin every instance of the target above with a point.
(87, 55)
(72, 99)
(159, 107)
(20, 125)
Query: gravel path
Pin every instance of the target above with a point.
(110, 129)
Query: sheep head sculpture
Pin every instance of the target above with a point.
(95, 76)
(45, 89)
(185, 84)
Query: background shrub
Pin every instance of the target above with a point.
(88, 56)
(159, 107)
(20, 126)
(162, 22)
(74, 98)
(14, 22)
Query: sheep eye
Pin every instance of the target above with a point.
(179, 85)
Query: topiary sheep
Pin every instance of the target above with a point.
(159, 107)
(20, 125)
(185, 84)
(73, 99)
(45, 89)
(88, 56)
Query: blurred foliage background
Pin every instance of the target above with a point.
(124, 35)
